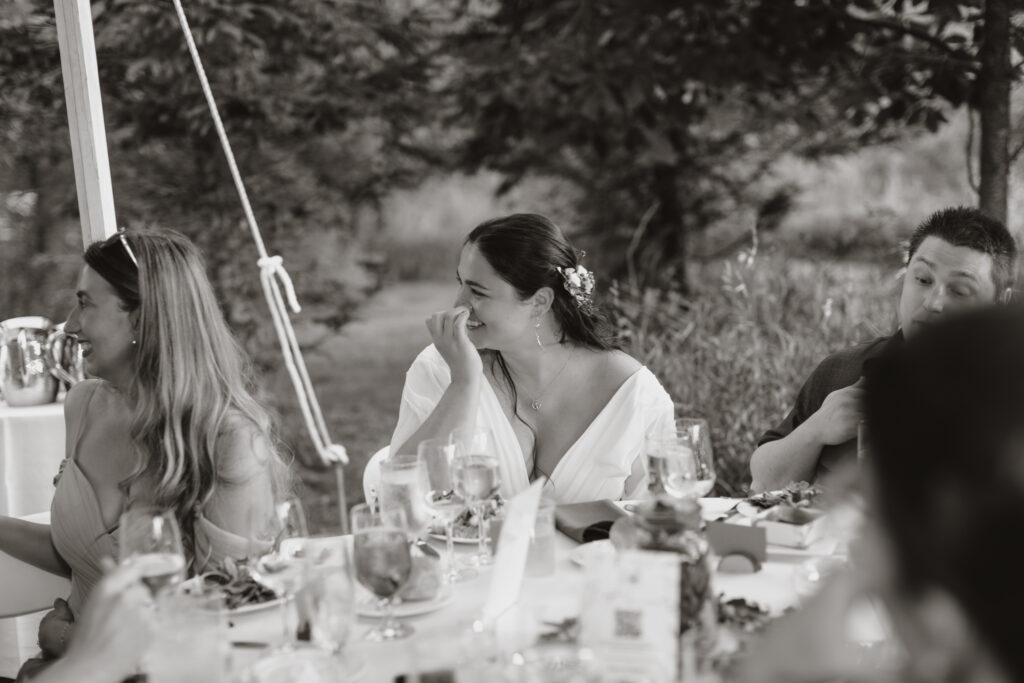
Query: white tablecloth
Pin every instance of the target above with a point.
(551, 598)
(31, 448)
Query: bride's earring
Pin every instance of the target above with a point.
(537, 332)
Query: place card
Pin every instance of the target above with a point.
(730, 541)
(513, 547)
(631, 614)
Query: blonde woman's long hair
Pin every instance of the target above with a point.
(191, 375)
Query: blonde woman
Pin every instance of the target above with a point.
(168, 421)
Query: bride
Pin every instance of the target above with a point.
(526, 355)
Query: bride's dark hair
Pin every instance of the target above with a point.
(526, 250)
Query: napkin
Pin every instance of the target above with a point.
(585, 522)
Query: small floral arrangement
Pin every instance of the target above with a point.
(579, 282)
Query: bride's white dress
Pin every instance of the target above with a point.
(606, 462)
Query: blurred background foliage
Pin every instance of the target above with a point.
(744, 169)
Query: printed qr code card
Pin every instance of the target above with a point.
(631, 617)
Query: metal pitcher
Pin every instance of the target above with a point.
(35, 357)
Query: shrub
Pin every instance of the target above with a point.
(737, 352)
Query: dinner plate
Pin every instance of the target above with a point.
(455, 539)
(588, 553)
(305, 665)
(716, 508)
(366, 605)
(193, 584)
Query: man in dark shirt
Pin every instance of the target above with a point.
(957, 259)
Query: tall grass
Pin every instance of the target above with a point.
(739, 350)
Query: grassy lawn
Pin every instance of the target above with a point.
(358, 376)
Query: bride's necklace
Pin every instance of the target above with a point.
(535, 402)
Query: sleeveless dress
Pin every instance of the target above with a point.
(76, 523)
(595, 467)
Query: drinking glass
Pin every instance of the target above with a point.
(380, 548)
(326, 604)
(404, 486)
(276, 550)
(150, 539)
(190, 643)
(681, 465)
(437, 455)
(476, 477)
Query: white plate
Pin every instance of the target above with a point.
(455, 539)
(366, 605)
(243, 609)
(715, 508)
(587, 553)
(305, 665)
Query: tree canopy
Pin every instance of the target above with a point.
(664, 113)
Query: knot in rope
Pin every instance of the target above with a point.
(335, 453)
(274, 265)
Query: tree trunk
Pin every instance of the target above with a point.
(41, 215)
(994, 104)
(669, 225)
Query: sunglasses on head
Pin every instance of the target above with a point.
(127, 247)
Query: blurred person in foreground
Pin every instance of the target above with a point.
(946, 475)
(526, 354)
(167, 422)
(115, 629)
(958, 259)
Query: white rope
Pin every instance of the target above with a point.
(273, 276)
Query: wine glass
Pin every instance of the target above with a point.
(475, 473)
(681, 464)
(380, 548)
(404, 486)
(276, 550)
(437, 456)
(150, 539)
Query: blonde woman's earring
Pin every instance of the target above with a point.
(539, 342)
(134, 342)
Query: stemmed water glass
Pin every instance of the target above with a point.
(476, 478)
(380, 548)
(276, 540)
(437, 456)
(681, 463)
(150, 539)
(403, 486)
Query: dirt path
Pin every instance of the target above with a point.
(359, 373)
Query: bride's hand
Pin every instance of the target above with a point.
(448, 332)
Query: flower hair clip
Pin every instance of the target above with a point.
(579, 282)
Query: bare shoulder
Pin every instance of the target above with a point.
(620, 366)
(80, 395)
(611, 368)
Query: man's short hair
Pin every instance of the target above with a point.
(963, 226)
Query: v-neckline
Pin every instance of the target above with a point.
(586, 430)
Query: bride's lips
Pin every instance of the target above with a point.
(85, 347)
(473, 324)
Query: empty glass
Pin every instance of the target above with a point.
(190, 643)
(150, 538)
(380, 550)
(404, 486)
(681, 465)
(437, 456)
(326, 605)
(276, 551)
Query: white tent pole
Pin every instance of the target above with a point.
(85, 119)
